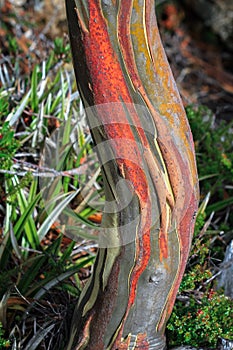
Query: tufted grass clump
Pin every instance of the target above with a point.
(41, 269)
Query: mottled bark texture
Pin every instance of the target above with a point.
(146, 151)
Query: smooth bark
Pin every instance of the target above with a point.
(146, 150)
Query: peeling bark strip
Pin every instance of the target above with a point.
(123, 74)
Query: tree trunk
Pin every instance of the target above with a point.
(145, 148)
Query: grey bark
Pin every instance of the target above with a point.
(226, 277)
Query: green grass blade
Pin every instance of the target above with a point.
(12, 118)
(67, 253)
(38, 337)
(3, 309)
(8, 211)
(4, 250)
(76, 233)
(29, 224)
(26, 215)
(55, 281)
(14, 243)
(34, 265)
(18, 229)
(31, 274)
(62, 112)
(219, 205)
(52, 217)
(34, 85)
(33, 189)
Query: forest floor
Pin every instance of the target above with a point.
(201, 65)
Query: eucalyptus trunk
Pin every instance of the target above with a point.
(146, 151)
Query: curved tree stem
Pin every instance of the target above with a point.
(146, 152)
